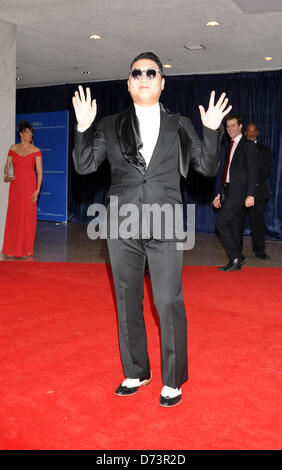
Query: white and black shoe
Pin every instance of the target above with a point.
(170, 396)
(131, 386)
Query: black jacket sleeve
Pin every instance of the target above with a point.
(205, 155)
(89, 149)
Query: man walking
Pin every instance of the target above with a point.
(239, 183)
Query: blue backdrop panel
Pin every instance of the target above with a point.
(51, 136)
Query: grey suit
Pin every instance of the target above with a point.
(117, 138)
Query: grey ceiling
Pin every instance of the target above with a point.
(53, 44)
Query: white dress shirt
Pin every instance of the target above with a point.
(149, 125)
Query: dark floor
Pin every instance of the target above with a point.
(70, 243)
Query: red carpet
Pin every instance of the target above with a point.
(60, 362)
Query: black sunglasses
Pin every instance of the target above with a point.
(150, 73)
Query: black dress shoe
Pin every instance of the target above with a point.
(233, 265)
(169, 402)
(124, 391)
(223, 268)
(170, 396)
(264, 256)
(236, 264)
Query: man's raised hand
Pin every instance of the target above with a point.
(215, 113)
(85, 110)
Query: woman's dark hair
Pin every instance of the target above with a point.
(151, 56)
(22, 126)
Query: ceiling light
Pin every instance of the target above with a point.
(167, 66)
(268, 58)
(212, 23)
(19, 79)
(195, 48)
(85, 72)
(95, 36)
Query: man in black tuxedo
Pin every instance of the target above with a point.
(148, 149)
(262, 194)
(239, 183)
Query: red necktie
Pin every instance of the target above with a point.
(227, 163)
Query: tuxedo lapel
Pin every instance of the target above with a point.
(128, 133)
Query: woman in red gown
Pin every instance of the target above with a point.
(24, 190)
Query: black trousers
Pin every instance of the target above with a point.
(229, 225)
(258, 227)
(256, 214)
(128, 259)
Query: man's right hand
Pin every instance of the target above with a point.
(85, 110)
(216, 202)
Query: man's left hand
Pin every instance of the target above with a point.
(249, 201)
(212, 118)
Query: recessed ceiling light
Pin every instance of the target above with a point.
(95, 36)
(19, 79)
(197, 47)
(85, 72)
(268, 58)
(167, 66)
(212, 23)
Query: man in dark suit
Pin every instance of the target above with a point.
(262, 194)
(148, 149)
(239, 183)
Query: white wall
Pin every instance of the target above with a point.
(7, 108)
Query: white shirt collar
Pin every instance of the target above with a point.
(147, 110)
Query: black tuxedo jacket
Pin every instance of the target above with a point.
(117, 138)
(243, 171)
(264, 168)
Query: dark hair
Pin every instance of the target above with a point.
(151, 56)
(23, 125)
(234, 116)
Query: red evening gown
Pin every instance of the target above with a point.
(20, 226)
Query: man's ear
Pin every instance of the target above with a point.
(162, 83)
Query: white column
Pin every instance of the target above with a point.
(7, 109)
